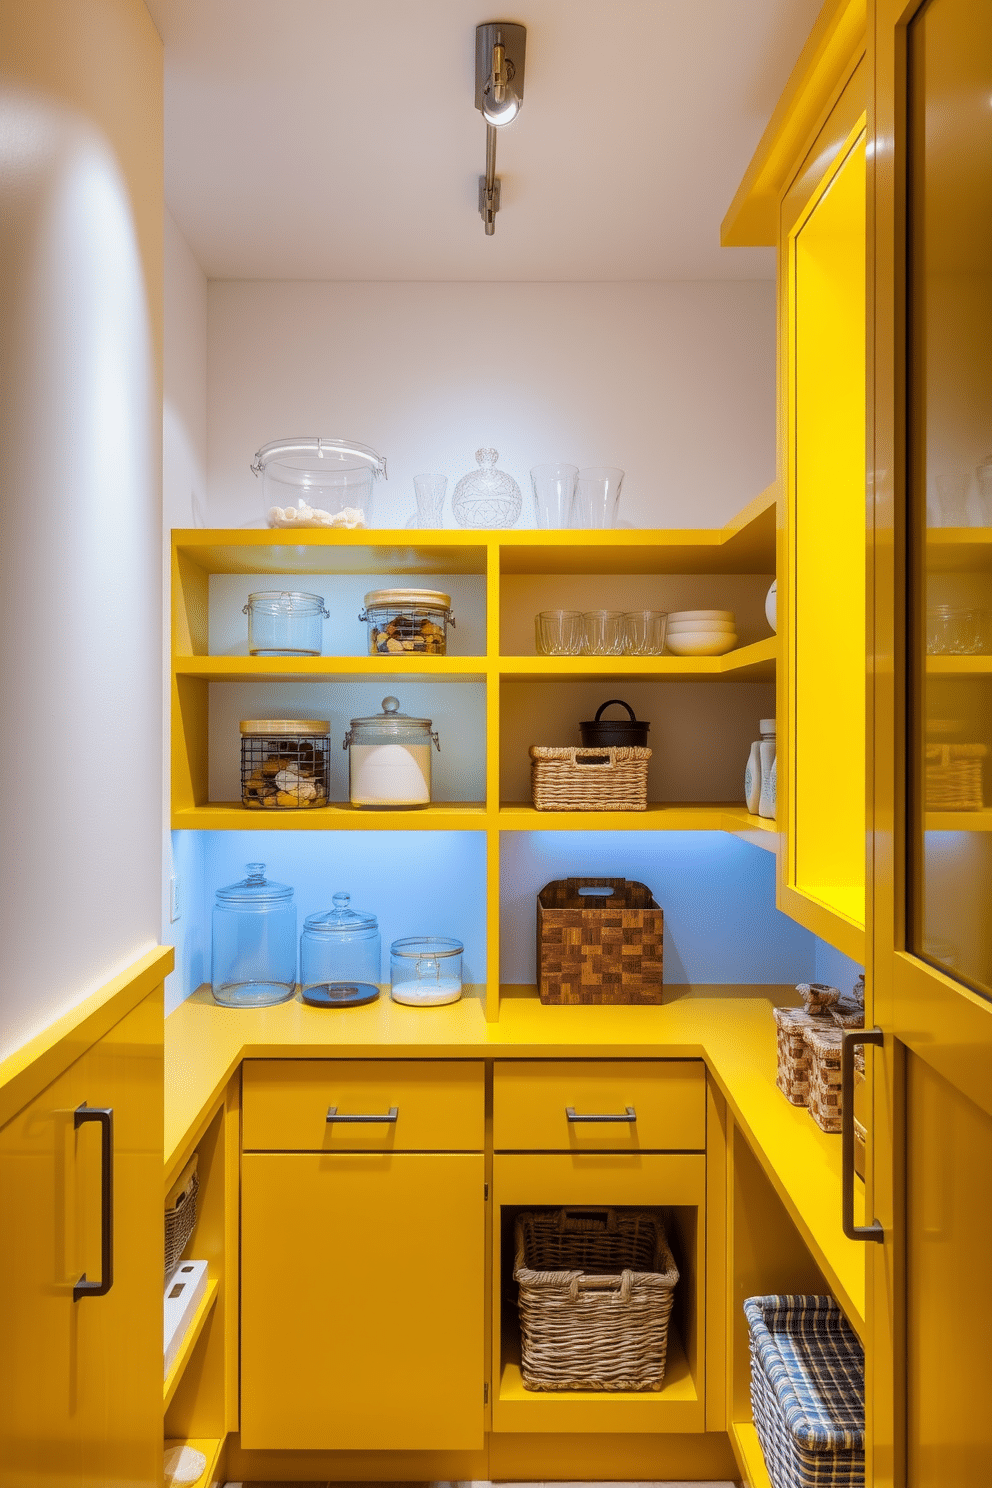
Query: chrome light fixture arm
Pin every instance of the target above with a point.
(499, 90)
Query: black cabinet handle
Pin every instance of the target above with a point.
(853, 1037)
(628, 1114)
(390, 1115)
(105, 1116)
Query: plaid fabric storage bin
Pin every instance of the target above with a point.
(807, 1392)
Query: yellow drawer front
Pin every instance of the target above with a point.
(532, 1101)
(436, 1106)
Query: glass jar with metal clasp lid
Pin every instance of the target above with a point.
(340, 956)
(426, 970)
(285, 623)
(389, 759)
(253, 950)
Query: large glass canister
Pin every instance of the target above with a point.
(426, 970)
(340, 956)
(285, 623)
(389, 761)
(253, 954)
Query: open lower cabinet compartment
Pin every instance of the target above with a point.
(676, 1406)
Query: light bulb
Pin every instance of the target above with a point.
(498, 114)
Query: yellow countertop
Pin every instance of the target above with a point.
(731, 1029)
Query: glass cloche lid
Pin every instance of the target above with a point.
(256, 889)
(341, 919)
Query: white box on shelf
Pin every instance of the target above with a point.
(183, 1295)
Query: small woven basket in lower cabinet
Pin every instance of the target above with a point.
(596, 1294)
(807, 1392)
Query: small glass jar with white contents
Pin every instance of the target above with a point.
(389, 759)
(426, 970)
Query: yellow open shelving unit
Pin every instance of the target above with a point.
(499, 561)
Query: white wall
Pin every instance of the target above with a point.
(184, 451)
(80, 486)
(675, 383)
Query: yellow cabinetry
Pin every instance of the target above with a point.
(805, 194)
(363, 1271)
(80, 1236)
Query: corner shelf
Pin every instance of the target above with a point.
(661, 816)
(754, 663)
(190, 1339)
(211, 1449)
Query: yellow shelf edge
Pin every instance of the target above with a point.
(958, 821)
(190, 1338)
(211, 1447)
(750, 1458)
(227, 816)
(761, 655)
(257, 668)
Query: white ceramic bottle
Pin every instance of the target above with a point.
(766, 800)
(752, 779)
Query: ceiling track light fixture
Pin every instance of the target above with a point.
(499, 91)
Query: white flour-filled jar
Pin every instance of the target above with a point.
(389, 758)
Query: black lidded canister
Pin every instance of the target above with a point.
(606, 732)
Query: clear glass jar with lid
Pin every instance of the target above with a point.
(426, 970)
(340, 956)
(253, 952)
(389, 760)
(407, 621)
(285, 623)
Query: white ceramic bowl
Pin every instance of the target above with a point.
(701, 615)
(717, 627)
(700, 643)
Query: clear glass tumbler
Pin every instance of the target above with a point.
(554, 487)
(644, 632)
(597, 497)
(559, 632)
(604, 632)
(430, 491)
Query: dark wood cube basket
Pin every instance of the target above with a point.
(602, 949)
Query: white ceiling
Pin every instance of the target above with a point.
(338, 139)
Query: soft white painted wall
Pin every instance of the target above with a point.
(673, 382)
(184, 450)
(80, 486)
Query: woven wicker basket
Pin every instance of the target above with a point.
(596, 1294)
(954, 777)
(824, 1046)
(807, 1392)
(180, 1215)
(614, 779)
(793, 1073)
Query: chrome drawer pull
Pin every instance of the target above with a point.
(390, 1115)
(629, 1114)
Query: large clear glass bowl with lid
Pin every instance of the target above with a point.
(389, 759)
(253, 951)
(340, 956)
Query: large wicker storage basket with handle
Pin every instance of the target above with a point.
(589, 779)
(596, 1294)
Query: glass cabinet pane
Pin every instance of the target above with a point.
(949, 465)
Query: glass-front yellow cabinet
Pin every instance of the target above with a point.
(930, 437)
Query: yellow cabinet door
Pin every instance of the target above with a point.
(81, 1380)
(362, 1300)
